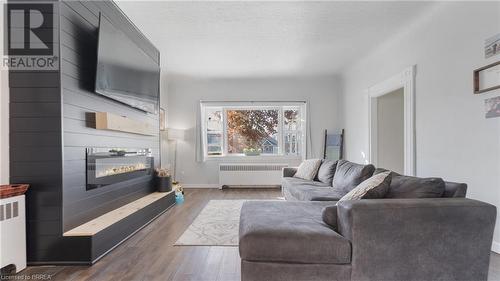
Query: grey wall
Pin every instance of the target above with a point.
(184, 94)
(4, 114)
(79, 23)
(390, 131)
(454, 140)
(4, 117)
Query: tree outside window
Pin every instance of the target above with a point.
(252, 130)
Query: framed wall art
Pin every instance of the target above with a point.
(492, 107)
(487, 78)
(492, 46)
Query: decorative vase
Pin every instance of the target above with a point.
(164, 184)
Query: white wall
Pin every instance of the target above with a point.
(185, 93)
(453, 138)
(390, 131)
(4, 110)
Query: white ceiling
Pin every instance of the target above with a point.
(226, 39)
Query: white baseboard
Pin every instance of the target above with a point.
(495, 247)
(199, 185)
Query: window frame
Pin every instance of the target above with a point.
(280, 106)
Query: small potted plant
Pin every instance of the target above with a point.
(163, 180)
(252, 151)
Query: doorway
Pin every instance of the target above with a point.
(390, 131)
(391, 124)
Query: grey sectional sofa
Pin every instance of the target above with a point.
(310, 237)
(295, 189)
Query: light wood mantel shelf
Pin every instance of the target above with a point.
(109, 121)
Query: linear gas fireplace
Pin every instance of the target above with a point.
(107, 166)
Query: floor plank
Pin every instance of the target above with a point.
(150, 254)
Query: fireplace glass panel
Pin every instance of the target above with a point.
(115, 166)
(110, 166)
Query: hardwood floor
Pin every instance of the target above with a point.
(150, 254)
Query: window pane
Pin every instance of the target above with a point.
(214, 139)
(214, 143)
(214, 150)
(213, 119)
(291, 119)
(255, 130)
(292, 143)
(292, 127)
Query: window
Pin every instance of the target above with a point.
(252, 129)
(214, 131)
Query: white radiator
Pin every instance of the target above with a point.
(13, 232)
(250, 174)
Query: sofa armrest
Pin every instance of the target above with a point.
(289, 172)
(418, 239)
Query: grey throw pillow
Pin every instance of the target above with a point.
(308, 169)
(373, 188)
(381, 170)
(348, 175)
(326, 171)
(329, 216)
(413, 187)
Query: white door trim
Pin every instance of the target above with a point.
(405, 80)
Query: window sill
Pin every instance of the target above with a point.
(243, 158)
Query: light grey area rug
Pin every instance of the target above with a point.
(216, 225)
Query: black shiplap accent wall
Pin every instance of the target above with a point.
(50, 129)
(79, 26)
(36, 155)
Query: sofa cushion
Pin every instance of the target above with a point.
(348, 175)
(308, 169)
(454, 189)
(375, 187)
(302, 182)
(311, 193)
(329, 215)
(326, 171)
(295, 189)
(292, 232)
(413, 187)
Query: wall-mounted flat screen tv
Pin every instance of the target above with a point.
(125, 73)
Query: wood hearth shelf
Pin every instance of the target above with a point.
(92, 240)
(100, 223)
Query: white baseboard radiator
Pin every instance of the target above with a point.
(13, 232)
(250, 174)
